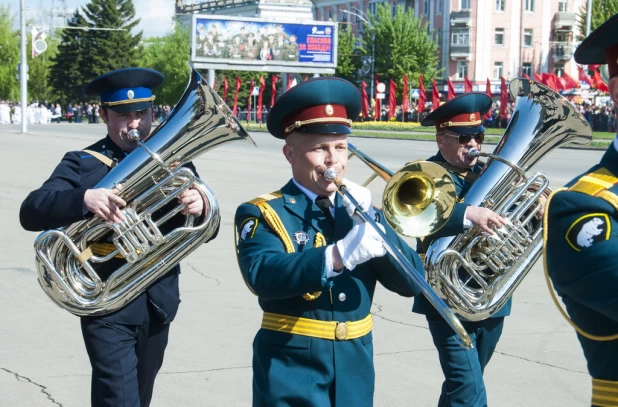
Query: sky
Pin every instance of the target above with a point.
(155, 15)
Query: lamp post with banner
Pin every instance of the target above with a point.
(364, 19)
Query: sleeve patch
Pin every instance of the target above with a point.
(588, 230)
(247, 228)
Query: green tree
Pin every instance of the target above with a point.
(84, 54)
(9, 55)
(602, 10)
(402, 45)
(349, 51)
(169, 55)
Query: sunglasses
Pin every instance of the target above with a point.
(465, 138)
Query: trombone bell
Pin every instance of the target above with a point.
(419, 199)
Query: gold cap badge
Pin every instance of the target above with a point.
(328, 110)
(130, 94)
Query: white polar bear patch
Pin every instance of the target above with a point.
(588, 230)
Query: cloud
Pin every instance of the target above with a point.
(155, 16)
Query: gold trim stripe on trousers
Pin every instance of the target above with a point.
(604, 393)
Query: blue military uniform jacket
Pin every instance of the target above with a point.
(581, 258)
(454, 226)
(293, 369)
(59, 203)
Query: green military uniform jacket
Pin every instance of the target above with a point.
(296, 369)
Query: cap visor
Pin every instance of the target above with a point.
(130, 107)
(468, 130)
(333, 128)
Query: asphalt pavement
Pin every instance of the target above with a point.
(43, 361)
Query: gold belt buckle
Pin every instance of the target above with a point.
(341, 331)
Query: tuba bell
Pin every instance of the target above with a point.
(149, 179)
(476, 273)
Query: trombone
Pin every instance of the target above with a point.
(402, 186)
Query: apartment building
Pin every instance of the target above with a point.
(481, 39)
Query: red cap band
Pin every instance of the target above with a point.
(321, 114)
(460, 120)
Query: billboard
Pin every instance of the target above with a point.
(253, 44)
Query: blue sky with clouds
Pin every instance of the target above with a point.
(155, 15)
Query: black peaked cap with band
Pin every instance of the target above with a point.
(462, 114)
(126, 90)
(601, 46)
(318, 106)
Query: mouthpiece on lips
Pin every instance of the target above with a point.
(133, 135)
(473, 152)
(330, 174)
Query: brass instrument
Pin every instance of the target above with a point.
(446, 313)
(476, 273)
(148, 179)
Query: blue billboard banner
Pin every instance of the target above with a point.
(258, 43)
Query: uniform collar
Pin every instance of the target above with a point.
(610, 158)
(312, 195)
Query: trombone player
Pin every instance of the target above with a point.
(313, 266)
(459, 129)
(580, 241)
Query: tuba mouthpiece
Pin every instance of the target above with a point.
(133, 135)
(330, 174)
(473, 152)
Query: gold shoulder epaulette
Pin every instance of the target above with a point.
(266, 197)
(597, 184)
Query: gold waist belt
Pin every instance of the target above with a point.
(317, 329)
(604, 393)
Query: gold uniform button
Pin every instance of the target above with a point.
(292, 200)
(341, 331)
(342, 297)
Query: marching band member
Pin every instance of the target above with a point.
(125, 347)
(581, 232)
(312, 266)
(459, 129)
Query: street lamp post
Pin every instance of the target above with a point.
(373, 42)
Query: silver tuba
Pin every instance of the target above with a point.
(473, 272)
(149, 179)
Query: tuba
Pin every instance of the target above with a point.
(149, 179)
(476, 273)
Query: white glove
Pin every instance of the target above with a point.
(362, 243)
(362, 196)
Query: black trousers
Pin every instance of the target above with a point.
(125, 360)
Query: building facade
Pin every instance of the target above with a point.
(484, 39)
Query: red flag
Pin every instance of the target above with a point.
(467, 85)
(538, 78)
(392, 99)
(404, 102)
(551, 82)
(422, 95)
(560, 82)
(259, 103)
(572, 83)
(249, 101)
(235, 108)
(504, 98)
(523, 75)
(488, 92)
(593, 67)
(377, 110)
(583, 76)
(598, 81)
(273, 80)
(451, 89)
(435, 96)
(364, 101)
(224, 89)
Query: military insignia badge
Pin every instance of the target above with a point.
(247, 228)
(588, 230)
(301, 238)
(130, 94)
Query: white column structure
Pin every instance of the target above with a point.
(416, 6)
(515, 44)
(545, 35)
(483, 42)
(446, 34)
(572, 67)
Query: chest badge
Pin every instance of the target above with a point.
(588, 230)
(301, 237)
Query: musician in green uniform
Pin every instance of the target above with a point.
(459, 129)
(581, 236)
(312, 263)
